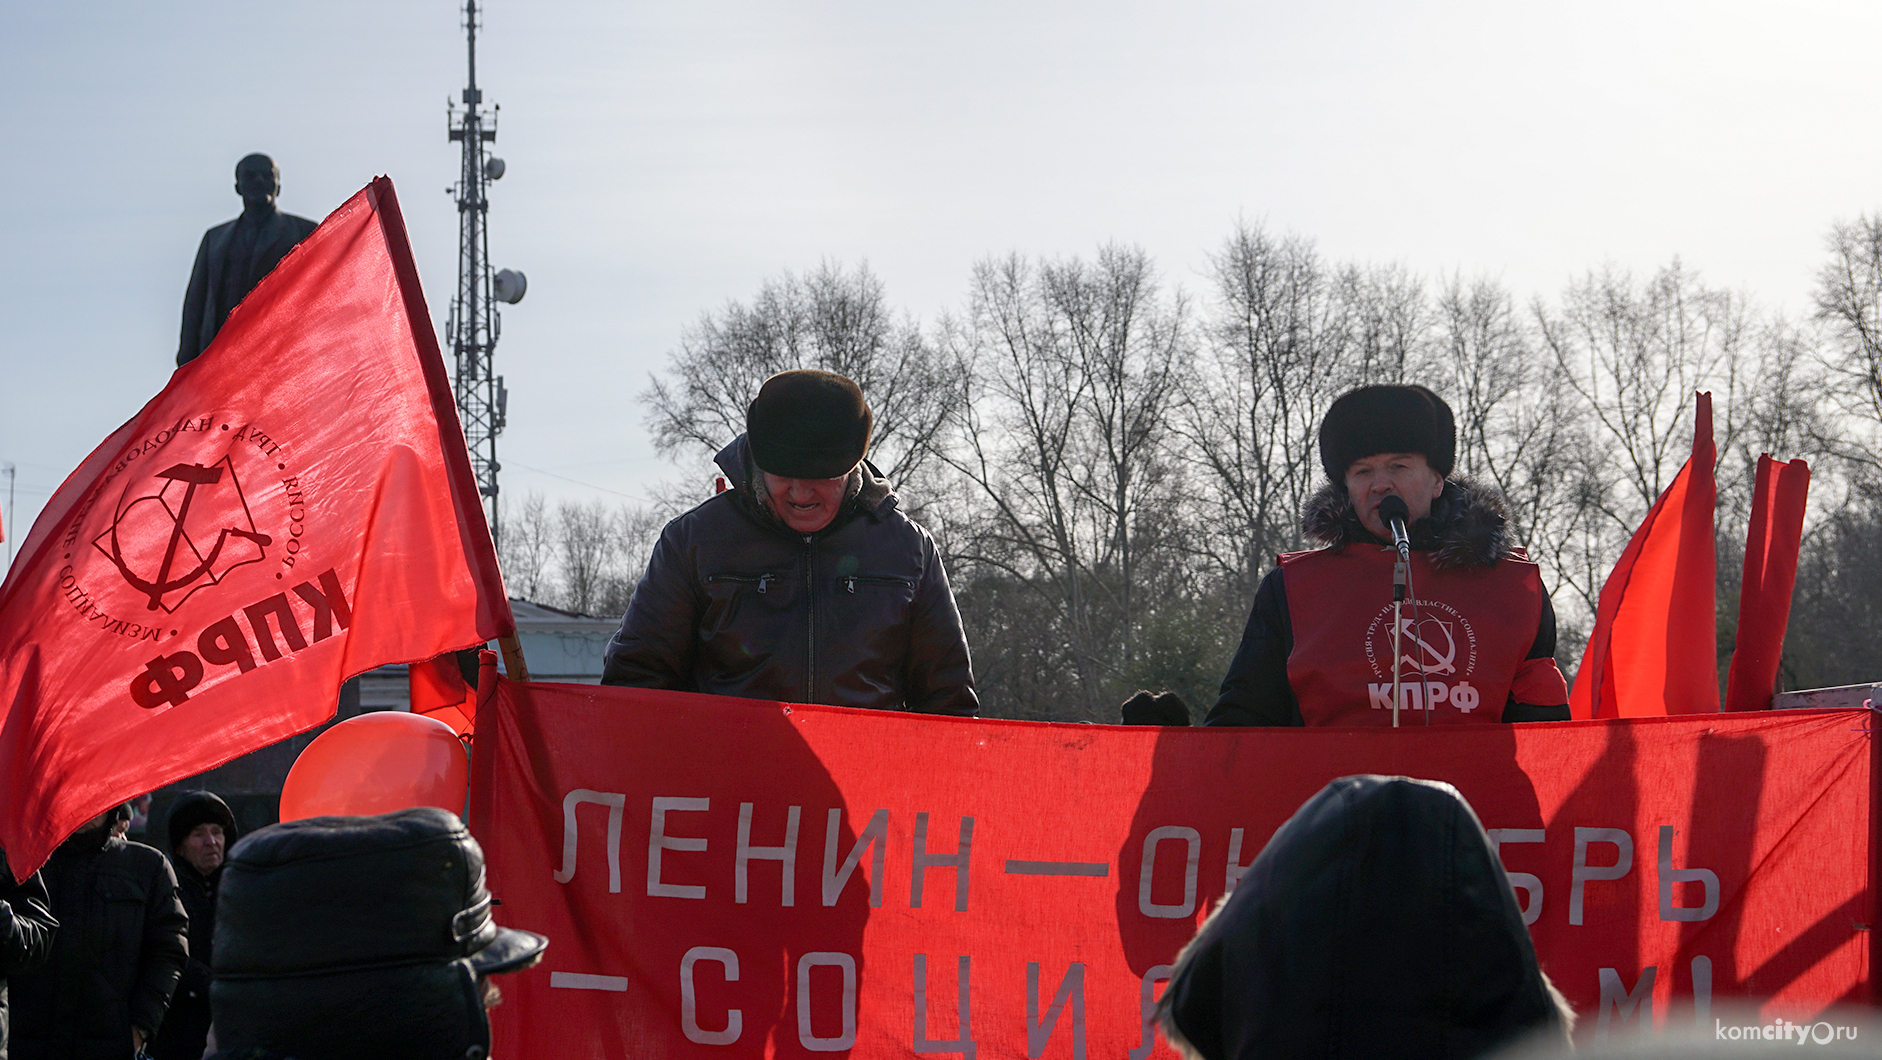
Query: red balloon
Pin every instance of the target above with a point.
(376, 763)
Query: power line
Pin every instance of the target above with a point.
(579, 482)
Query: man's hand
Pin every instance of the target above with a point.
(137, 1041)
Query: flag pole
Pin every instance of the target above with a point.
(513, 663)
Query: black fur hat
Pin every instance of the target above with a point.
(200, 807)
(1387, 419)
(808, 424)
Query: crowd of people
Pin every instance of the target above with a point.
(806, 582)
(111, 942)
(330, 938)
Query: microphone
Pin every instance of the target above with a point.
(1394, 513)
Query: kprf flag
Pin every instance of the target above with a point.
(296, 507)
(1653, 647)
(1764, 599)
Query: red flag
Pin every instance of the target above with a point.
(1764, 599)
(1653, 649)
(438, 690)
(296, 507)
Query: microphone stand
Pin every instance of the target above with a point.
(1400, 578)
(1401, 583)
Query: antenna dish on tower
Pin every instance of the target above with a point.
(510, 286)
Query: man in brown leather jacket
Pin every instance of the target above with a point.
(805, 582)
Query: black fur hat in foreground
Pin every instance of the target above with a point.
(1387, 419)
(808, 424)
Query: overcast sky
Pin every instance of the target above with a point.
(665, 158)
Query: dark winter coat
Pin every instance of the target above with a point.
(1377, 922)
(1467, 527)
(121, 945)
(185, 1027)
(858, 614)
(27, 929)
(215, 280)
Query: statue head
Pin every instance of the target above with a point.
(257, 181)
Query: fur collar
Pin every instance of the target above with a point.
(1468, 525)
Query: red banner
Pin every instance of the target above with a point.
(294, 508)
(723, 877)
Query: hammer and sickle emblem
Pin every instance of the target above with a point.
(192, 476)
(1439, 662)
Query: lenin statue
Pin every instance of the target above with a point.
(235, 256)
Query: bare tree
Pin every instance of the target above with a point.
(1385, 316)
(1271, 360)
(1635, 355)
(1073, 369)
(832, 319)
(1518, 429)
(528, 547)
(1849, 304)
(590, 551)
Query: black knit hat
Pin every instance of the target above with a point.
(808, 424)
(200, 807)
(318, 917)
(1387, 419)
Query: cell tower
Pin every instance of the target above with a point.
(482, 399)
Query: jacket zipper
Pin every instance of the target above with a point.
(810, 587)
(851, 582)
(761, 581)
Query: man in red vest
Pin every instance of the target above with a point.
(1475, 635)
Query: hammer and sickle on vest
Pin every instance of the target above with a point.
(1444, 662)
(192, 475)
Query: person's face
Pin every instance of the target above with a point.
(806, 505)
(202, 848)
(257, 181)
(1372, 479)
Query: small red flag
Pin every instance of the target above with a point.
(438, 690)
(1764, 599)
(1653, 650)
(294, 508)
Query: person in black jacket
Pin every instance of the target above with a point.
(804, 582)
(122, 943)
(27, 928)
(201, 827)
(1377, 922)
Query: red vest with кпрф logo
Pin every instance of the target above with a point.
(1462, 646)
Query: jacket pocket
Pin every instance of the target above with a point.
(761, 582)
(738, 600)
(850, 582)
(875, 610)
